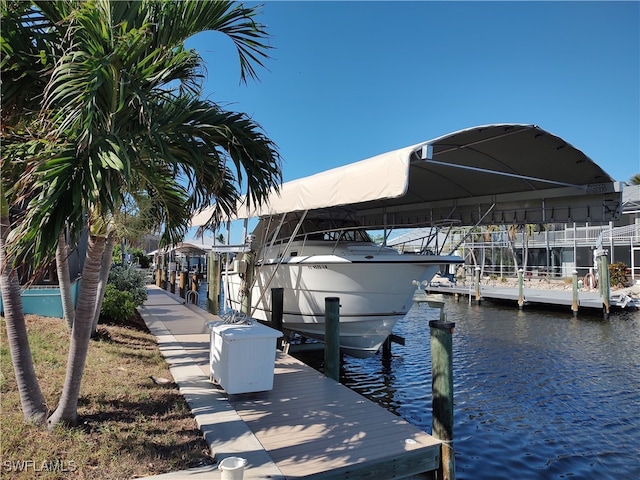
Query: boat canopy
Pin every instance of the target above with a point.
(499, 174)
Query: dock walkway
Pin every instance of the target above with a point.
(307, 426)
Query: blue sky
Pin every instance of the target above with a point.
(350, 80)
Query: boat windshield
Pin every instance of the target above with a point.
(333, 226)
(332, 230)
(329, 230)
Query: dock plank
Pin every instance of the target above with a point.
(314, 427)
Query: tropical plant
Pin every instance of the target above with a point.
(127, 278)
(635, 180)
(31, 398)
(118, 305)
(101, 104)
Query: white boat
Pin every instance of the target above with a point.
(330, 256)
(492, 174)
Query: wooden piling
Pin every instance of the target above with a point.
(520, 289)
(247, 283)
(605, 282)
(172, 281)
(183, 284)
(478, 297)
(277, 311)
(574, 303)
(386, 349)
(442, 393)
(332, 338)
(213, 283)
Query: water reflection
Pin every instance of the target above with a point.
(538, 394)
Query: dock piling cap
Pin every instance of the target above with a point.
(450, 326)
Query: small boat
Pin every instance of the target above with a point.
(312, 241)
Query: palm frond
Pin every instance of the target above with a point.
(117, 113)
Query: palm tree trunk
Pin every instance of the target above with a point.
(105, 267)
(67, 410)
(64, 280)
(33, 403)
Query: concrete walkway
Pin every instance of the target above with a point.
(183, 338)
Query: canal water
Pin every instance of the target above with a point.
(537, 394)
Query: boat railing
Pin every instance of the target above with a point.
(243, 248)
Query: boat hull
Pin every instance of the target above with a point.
(373, 296)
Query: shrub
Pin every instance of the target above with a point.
(117, 305)
(141, 258)
(618, 274)
(129, 279)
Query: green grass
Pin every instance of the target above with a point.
(129, 426)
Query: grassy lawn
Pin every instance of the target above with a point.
(129, 426)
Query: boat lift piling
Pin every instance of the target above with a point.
(604, 281)
(246, 286)
(213, 282)
(332, 338)
(277, 311)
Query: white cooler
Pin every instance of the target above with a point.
(242, 356)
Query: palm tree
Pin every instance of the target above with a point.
(33, 404)
(635, 180)
(120, 115)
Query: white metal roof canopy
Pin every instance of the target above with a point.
(493, 174)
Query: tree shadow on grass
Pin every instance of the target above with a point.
(154, 428)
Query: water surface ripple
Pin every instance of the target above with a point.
(538, 394)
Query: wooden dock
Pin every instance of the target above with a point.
(314, 427)
(307, 426)
(536, 296)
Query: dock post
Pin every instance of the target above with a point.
(574, 304)
(442, 393)
(520, 288)
(478, 298)
(332, 338)
(183, 284)
(386, 349)
(213, 283)
(277, 310)
(194, 287)
(172, 281)
(605, 282)
(247, 284)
